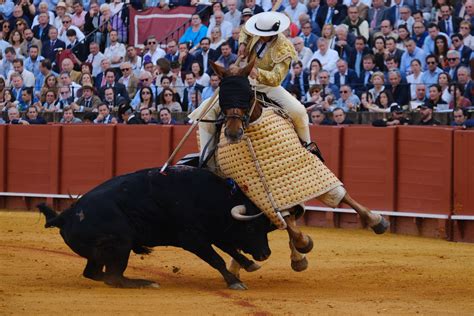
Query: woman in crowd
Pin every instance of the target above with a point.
(444, 79)
(7, 100)
(329, 33)
(458, 98)
(366, 102)
(6, 28)
(216, 38)
(403, 34)
(201, 77)
(383, 102)
(16, 39)
(86, 78)
(415, 78)
(379, 53)
(20, 25)
(315, 100)
(50, 83)
(441, 50)
(146, 99)
(51, 101)
(86, 68)
(314, 69)
(378, 80)
(168, 101)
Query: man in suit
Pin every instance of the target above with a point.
(310, 40)
(448, 23)
(376, 15)
(41, 30)
(393, 13)
(464, 51)
(205, 55)
(88, 101)
(344, 75)
(365, 77)
(332, 13)
(128, 79)
(190, 78)
(78, 48)
(392, 49)
(119, 89)
(251, 4)
(53, 46)
(297, 80)
(357, 54)
(126, 113)
(28, 42)
(99, 80)
(400, 92)
(233, 41)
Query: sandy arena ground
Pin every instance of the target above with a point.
(351, 272)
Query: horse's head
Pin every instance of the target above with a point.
(235, 97)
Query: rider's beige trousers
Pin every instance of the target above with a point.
(295, 109)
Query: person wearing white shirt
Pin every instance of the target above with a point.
(134, 60)
(267, 4)
(27, 76)
(95, 58)
(67, 24)
(61, 13)
(115, 51)
(3, 44)
(415, 78)
(294, 10)
(233, 15)
(42, 8)
(328, 57)
(154, 52)
(225, 26)
(304, 53)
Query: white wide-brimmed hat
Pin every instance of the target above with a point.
(267, 23)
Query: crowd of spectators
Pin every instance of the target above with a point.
(392, 57)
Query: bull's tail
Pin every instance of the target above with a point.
(52, 218)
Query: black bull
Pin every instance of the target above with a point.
(186, 207)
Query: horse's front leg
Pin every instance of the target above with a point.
(302, 242)
(375, 221)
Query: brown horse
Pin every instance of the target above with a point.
(237, 117)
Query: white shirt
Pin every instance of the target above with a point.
(95, 60)
(28, 78)
(296, 12)
(305, 57)
(328, 60)
(58, 21)
(35, 20)
(114, 51)
(80, 36)
(159, 53)
(234, 19)
(413, 83)
(226, 29)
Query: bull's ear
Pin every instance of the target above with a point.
(219, 70)
(247, 69)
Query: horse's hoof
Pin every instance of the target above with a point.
(306, 248)
(253, 267)
(381, 227)
(238, 286)
(300, 265)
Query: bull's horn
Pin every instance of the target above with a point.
(239, 211)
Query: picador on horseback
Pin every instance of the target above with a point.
(272, 166)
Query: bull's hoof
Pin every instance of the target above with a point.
(307, 248)
(300, 265)
(238, 286)
(253, 267)
(381, 227)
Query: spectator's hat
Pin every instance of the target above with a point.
(61, 4)
(247, 12)
(394, 107)
(267, 24)
(426, 106)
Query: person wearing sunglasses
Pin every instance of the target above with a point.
(128, 79)
(454, 62)
(154, 52)
(348, 101)
(67, 25)
(430, 76)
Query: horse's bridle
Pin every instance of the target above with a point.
(245, 119)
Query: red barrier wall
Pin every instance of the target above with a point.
(368, 167)
(424, 172)
(328, 139)
(190, 145)
(464, 173)
(140, 147)
(32, 158)
(87, 157)
(3, 153)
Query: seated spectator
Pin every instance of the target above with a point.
(465, 51)
(348, 102)
(65, 81)
(224, 27)
(458, 99)
(16, 40)
(166, 83)
(27, 100)
(304, 54)
(145, 115)
(27, 76)
(185, 59)
(116, 51)
(206, 54)
(7, 101)
(357, 24)
(400, 91)
(327, 56)
(366, 102)
(192, 86)
(444, 80)
(146, 99)
(318, 117)
(210, 90)
(195, 32)
(195, 101)
(383, 102)
(171, 51)
(464, 79)
(112, 100)
(460, 117)
(435, 100)
(50, 83)
(397, 117)
(328, 87)
(378, 82)
(86, 79)
(69, 118)
(32, 116)
(68, 66)
(234, 41)
(14, 117)
(315, 99)
(16, 86)
(415, 78)
(67, 25)
(426, 111)
(65, 97)
(308, 38)
(51, 102)
(104, 116)
(88, 101)
(227, 58)
(135, 60)
(128, 79)
(420, 97)
(128, 116)
(145, 81)
(297, 80)
(233, 15)
(30, 42)
(78, 49)
(344, 75)
(202, 78)
(165, 117)
(110, 82)
(168, 101)
(339, 116)
(177, 82)
(465, 30)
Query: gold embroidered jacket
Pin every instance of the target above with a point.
(275, 64)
